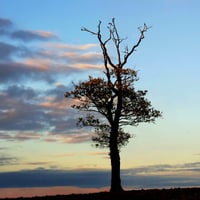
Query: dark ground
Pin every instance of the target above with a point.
(151, 194)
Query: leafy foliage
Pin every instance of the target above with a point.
(97, 95)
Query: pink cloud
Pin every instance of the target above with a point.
(77, 138)
(26, 136)
(68, 138)
(69, 47)
(87, 66)
(20, 136)
(44, 34)
(39, 64)
(89, 57)
(8, 114)
(51, 102)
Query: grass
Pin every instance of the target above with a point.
(149, 194)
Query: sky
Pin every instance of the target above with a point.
(42, 50)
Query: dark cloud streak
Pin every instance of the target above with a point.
(7, 160)
(43, 178)
(6, 51)
(100, 178)
(26, 35)
(15, 71)
(5, 22)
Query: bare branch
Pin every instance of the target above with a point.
(92, 32)
(142, 31)
(117, 41)
(85, 29)
(106, 56)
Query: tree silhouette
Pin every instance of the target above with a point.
(113, 102)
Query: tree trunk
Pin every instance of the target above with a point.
(115, 164)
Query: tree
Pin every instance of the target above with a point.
(113, 102)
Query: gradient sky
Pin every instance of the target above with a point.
(42, 50)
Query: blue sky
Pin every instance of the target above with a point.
(42, 50)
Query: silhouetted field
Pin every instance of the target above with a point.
(151, 194)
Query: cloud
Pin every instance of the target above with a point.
(75, 56)
(70, 47)
(20, 136)
(6, 50)
(5, 22)
(84, 66)
(37, 163)
(24, 35)
(17, 92)
(29, 35)
(17, 105)
(19, 116)
(7, 160)
(89, 57)
(162, 176)
(131, 178)
(41, 61)
(68, 137)
(78, 138)
(165, 169)
(13, 72)
(28, 114)
(25, 111)
(5, 25)
(3, 148)
(40, 66)
(34, 75)
(45, 177)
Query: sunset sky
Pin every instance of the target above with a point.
(42, 50)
